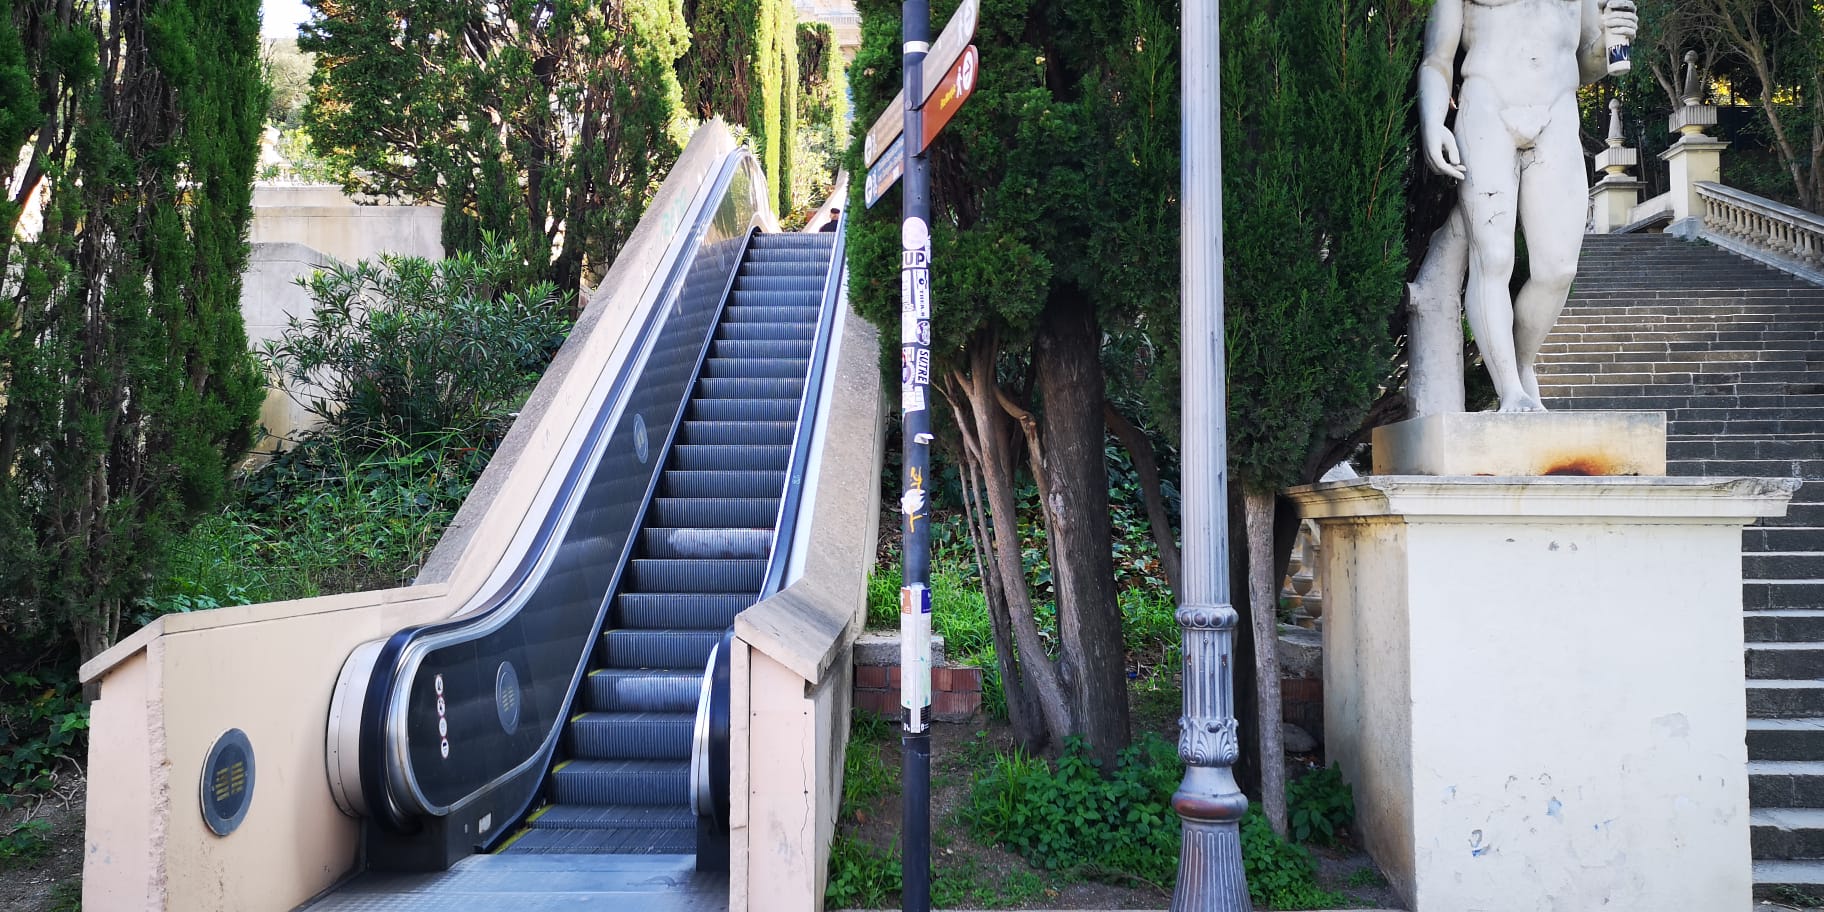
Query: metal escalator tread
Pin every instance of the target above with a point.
(700, 557)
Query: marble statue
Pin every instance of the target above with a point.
(1515, 148)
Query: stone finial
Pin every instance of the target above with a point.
(1615, 137)
(1694, 90)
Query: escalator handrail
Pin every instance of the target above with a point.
(785, 525)
(383, 766)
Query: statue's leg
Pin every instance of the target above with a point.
(1434, 329)
(1489, 197)
(1554, 191)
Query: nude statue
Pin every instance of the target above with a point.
(1516, 150)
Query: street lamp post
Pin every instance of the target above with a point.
(1210, 877)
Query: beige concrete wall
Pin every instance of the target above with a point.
(168, 690)
(1537, 686)
(327, 221)
(793, 653)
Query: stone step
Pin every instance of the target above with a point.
(1785, 739)
(1783, 565)
(1743, 390)
(1802, 662)
(1804, 538)
(1699, 359)
(1575, 319)
(1811, 415)
(1556, 375)
(1785, 699)
(1686, 336)
(1798, 516)
(1786, 783)
(1650, 303)
(1757, 594)
(1746, 427)
(1787, 833)
(1760, 468)
(1805, 876)
(1790, 627)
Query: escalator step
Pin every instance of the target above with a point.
(742, 332)
(635, 782)
(680, 483)
(762, 348)
(643, 841)
(641, 690)
(750, 387)
(652, 574)
(706, 544)
(631, 736)
(737, 433)
(769, 307)
(755, 367)
(801, 284)
(778, 409)
(610, 817)
(707, 513)
(679, 610)
(793, 267)
(729, 458)
(670, 648)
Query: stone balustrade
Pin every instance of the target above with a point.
(1769, 230)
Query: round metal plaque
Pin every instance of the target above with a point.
(506, 696)
(641, 447)
(227, 786)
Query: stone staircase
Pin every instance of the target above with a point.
(1733, 352)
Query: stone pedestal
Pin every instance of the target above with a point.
(1612, 199)
(1535, 686)
(1523, 443)
(1693, 159)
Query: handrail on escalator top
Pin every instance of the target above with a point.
(378, 749)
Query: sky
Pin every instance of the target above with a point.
(281, 18)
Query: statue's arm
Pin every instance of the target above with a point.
(1443, 32)
(1617, 16)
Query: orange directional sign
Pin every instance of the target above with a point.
(943, 53)
(956, 88)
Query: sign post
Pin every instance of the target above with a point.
(915, 378)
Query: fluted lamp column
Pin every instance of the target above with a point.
(1210, 877)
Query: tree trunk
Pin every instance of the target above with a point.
(1262, 599)
(1034, 665)
(1068, 358)
(1146, 465)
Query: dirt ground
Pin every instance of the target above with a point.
(49, 879)
(956, 748)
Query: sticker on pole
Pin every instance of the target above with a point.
(915, 656)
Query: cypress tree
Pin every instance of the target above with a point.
(744, 68)
(548, 125)
(129, 389)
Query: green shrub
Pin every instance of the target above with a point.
(25, 842)
(861, 876)
(1073, 818)
(1319, 804)
(1280, 875)
(43, 724)
(410, 350)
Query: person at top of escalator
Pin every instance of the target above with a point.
(831, 224)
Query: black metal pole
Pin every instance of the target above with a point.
(915, 378)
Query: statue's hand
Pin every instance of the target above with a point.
(1619, 17)
(1441, 153)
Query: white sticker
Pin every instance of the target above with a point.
(439, 684)
(914, 234)
(915, 668)
(912, 399)
(912, 501)
(445, 747)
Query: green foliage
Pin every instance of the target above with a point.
(1319, 805)
(24, 842)
(1315, 158)
(129, 392)
(883, 600)
(744, 66)
(823, 114)
(412, 350)
(861, 876)
(549, 125)
(1280, 875)
(865, 776)
(1073, 818)
(43, 723)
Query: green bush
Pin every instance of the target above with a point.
(1319, 805)
(861, 876)
(1073, 818)
(43, 724)
(1280, 875)
(410, 350)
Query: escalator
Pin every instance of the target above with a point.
(568, 730)
(623, 782)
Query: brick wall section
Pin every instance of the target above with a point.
(1302, 704)
(956, 691)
